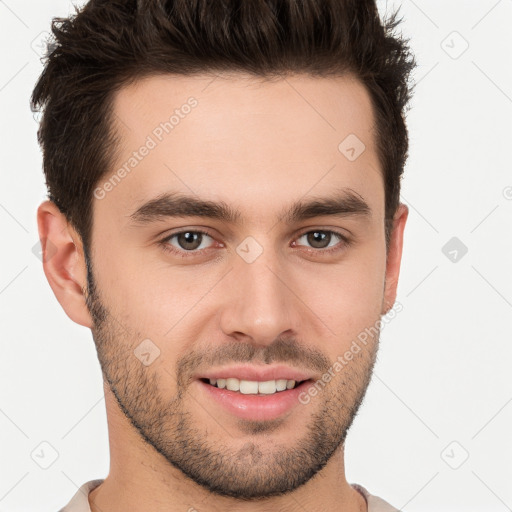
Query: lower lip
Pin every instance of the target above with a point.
(256, 407)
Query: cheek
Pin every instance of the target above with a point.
(348, 298)
(169, 306)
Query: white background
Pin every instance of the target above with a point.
(442, 388)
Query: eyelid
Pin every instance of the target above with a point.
(337, 231)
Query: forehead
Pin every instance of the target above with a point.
(233, 137)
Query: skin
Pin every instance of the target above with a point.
(258, 146)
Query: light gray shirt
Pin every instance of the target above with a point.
(80, 501)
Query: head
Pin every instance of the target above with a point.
(195, 154)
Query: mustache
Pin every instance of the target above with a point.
(282, 350)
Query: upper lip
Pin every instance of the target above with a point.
(256, 373)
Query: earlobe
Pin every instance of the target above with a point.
(63, 262)
(394, 257)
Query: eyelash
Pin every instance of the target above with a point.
(164, 243)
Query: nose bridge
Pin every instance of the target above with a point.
(260, 304)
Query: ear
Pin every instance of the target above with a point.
(394, 257)
(63, 262)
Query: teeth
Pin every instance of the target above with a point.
(233, 384)
(251, 387)
(281, 384)
(248, 387)
(268, 387)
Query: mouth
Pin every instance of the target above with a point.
(248, 387)
(254, 392)
(253, 400)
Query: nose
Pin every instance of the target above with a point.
(260, 305)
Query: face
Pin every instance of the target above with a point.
(243, 242)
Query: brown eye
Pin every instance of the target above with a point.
(318, 239)
(321, 239)
(186, 241)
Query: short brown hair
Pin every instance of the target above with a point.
(108, 44)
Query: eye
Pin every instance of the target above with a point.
(194, 242)
(186, 241)
(321, 239)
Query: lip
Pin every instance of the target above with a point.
(255, 407)
(256, 373)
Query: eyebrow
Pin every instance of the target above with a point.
(343, 203)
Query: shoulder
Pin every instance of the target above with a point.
(80, 500)
(375, 504)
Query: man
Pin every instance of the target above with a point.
(224, 216)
